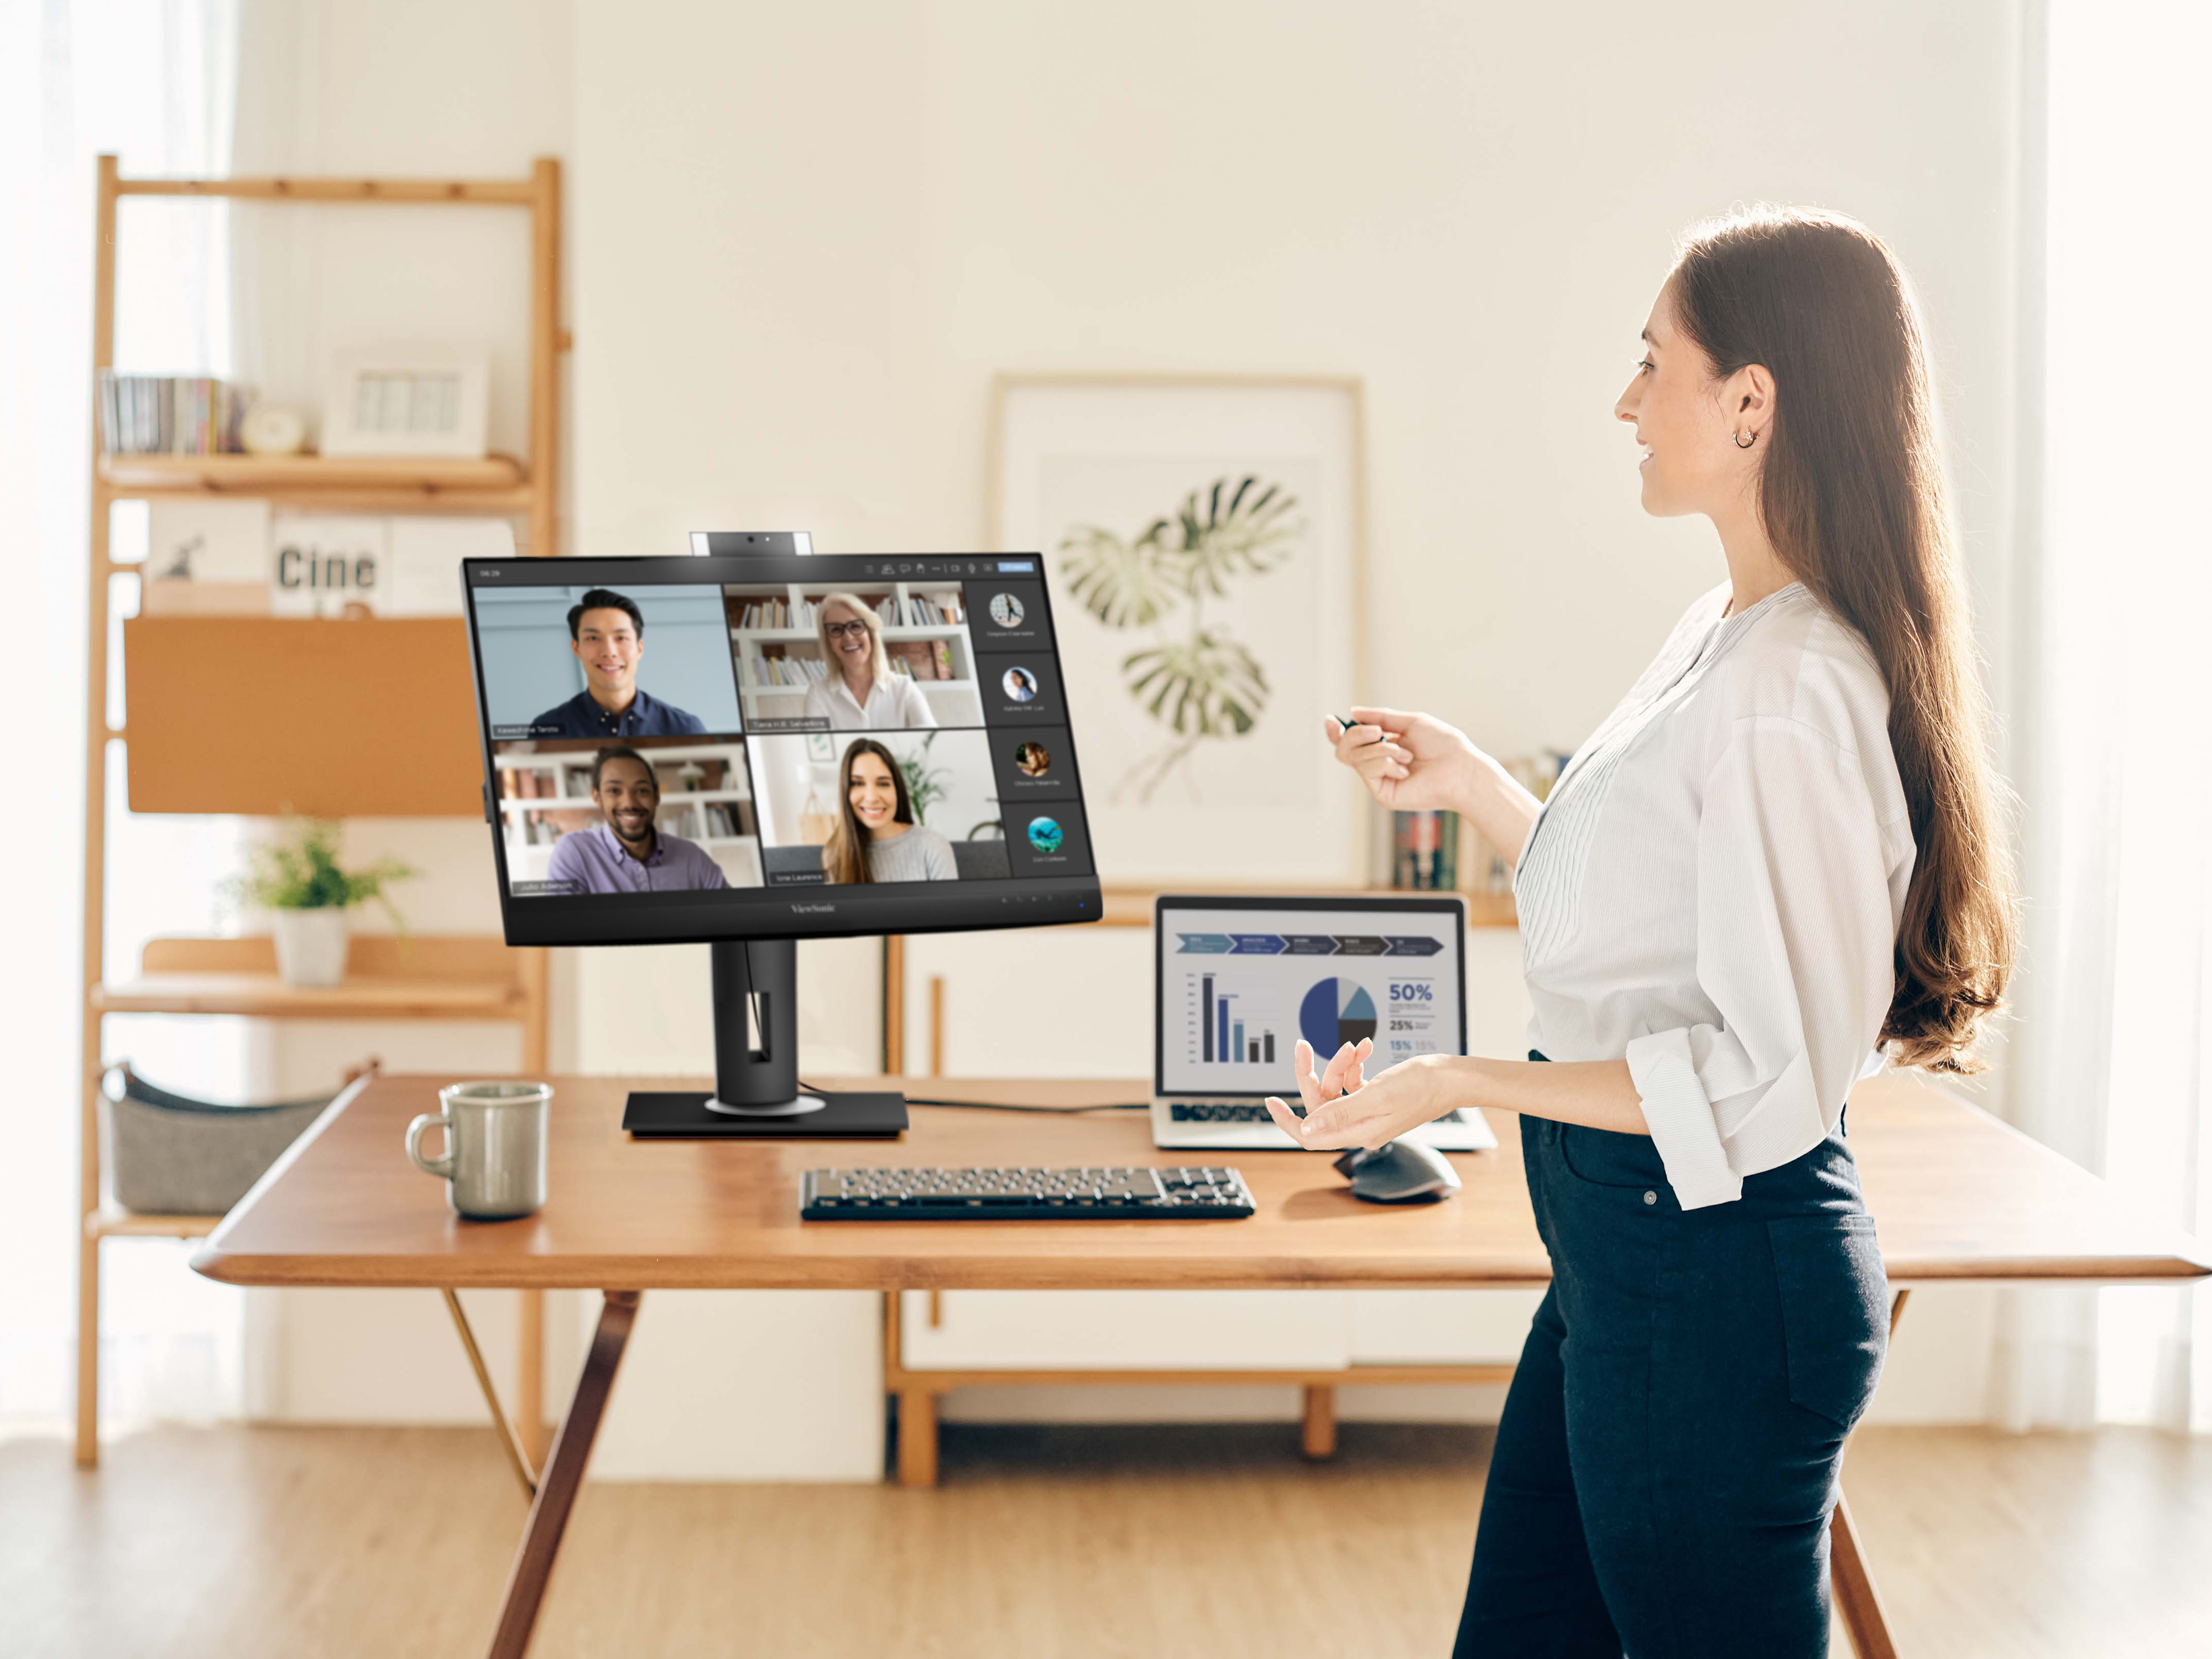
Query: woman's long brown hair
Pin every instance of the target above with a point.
(1851, 491)
(845, 858)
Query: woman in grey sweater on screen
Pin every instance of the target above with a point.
(875, 838)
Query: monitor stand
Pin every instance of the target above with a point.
(757, 1094)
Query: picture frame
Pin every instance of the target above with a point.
(408, 401)
(1206, 539)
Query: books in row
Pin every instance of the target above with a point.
(1424, 851)
(721, 820)
(544, 783)
(791, 671)
(919, 612)
(170, 413)
(777, 613)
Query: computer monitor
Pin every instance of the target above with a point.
(749, 749)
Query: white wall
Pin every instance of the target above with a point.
(802, 238)
(806, 237)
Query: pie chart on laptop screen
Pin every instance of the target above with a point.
(1334, 1012)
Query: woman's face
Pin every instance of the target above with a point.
(873, 791)
(1687, 422)
(848, 637)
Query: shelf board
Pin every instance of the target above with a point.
(1131, 907)
(491, 480)
(901, 631)
(264, 996)
(112, 1223)
(801, 690)
(430, 976)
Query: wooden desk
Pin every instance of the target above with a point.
(1957, 1195)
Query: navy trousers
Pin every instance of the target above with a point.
(1667, 1460)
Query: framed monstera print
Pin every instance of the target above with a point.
(1205, 540)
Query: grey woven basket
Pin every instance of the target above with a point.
(169, 1154)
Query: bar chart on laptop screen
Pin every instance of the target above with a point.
(1236, 1000)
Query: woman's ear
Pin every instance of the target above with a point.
(1747, 404)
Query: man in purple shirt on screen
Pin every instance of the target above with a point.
(625, 853)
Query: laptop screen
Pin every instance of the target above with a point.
(1238, 981)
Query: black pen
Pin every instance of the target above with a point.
(1348, 725)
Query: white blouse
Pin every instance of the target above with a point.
(1713, 890)
(894, 701)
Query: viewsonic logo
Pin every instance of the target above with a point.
(814, 909)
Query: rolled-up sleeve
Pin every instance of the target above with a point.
(1799, 887)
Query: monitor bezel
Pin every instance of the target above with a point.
(794, 913)
(1375, 903)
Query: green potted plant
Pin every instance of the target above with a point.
(298, 880)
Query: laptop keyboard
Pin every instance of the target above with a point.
(1248, 1111)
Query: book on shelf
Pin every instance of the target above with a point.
(170, 413)
(1425, 852)
(925, 659)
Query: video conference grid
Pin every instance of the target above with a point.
(977, 730)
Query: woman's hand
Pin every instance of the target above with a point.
(1346, 1108)
(1408, 762)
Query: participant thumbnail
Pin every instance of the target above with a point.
(1022, 689)
(1037, 770)
(883, 806)
(652, 815)
(1010, 614)
(881, 656)
(605, 664)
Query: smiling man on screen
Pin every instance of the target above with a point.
(607, 630)
(626, 853)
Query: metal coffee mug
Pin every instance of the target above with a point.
(495, 1147)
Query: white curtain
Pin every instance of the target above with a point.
(2113, 715)
(151, 81)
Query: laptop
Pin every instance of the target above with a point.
(1237, 981)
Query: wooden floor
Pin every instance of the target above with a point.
(239, 1543)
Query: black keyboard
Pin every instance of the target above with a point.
(1248, 1111)
(982, 1194)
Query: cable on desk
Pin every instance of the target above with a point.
(1004, 1106)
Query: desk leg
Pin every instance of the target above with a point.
(530, 1373)
(561, 1478)
(1856, 1599)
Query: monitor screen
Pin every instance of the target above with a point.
(700, 749)
(1240, 981)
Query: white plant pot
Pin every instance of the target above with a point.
(311, 945)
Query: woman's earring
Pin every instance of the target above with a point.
(1746, 439)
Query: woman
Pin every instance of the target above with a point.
(1779, 850)
(875, 838)
(860, 693)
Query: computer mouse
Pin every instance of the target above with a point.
(1400, 1172)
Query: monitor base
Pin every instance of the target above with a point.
(694, 1115)
(799, 1106)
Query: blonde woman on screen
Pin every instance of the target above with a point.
(877, 838)
(860, 693)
